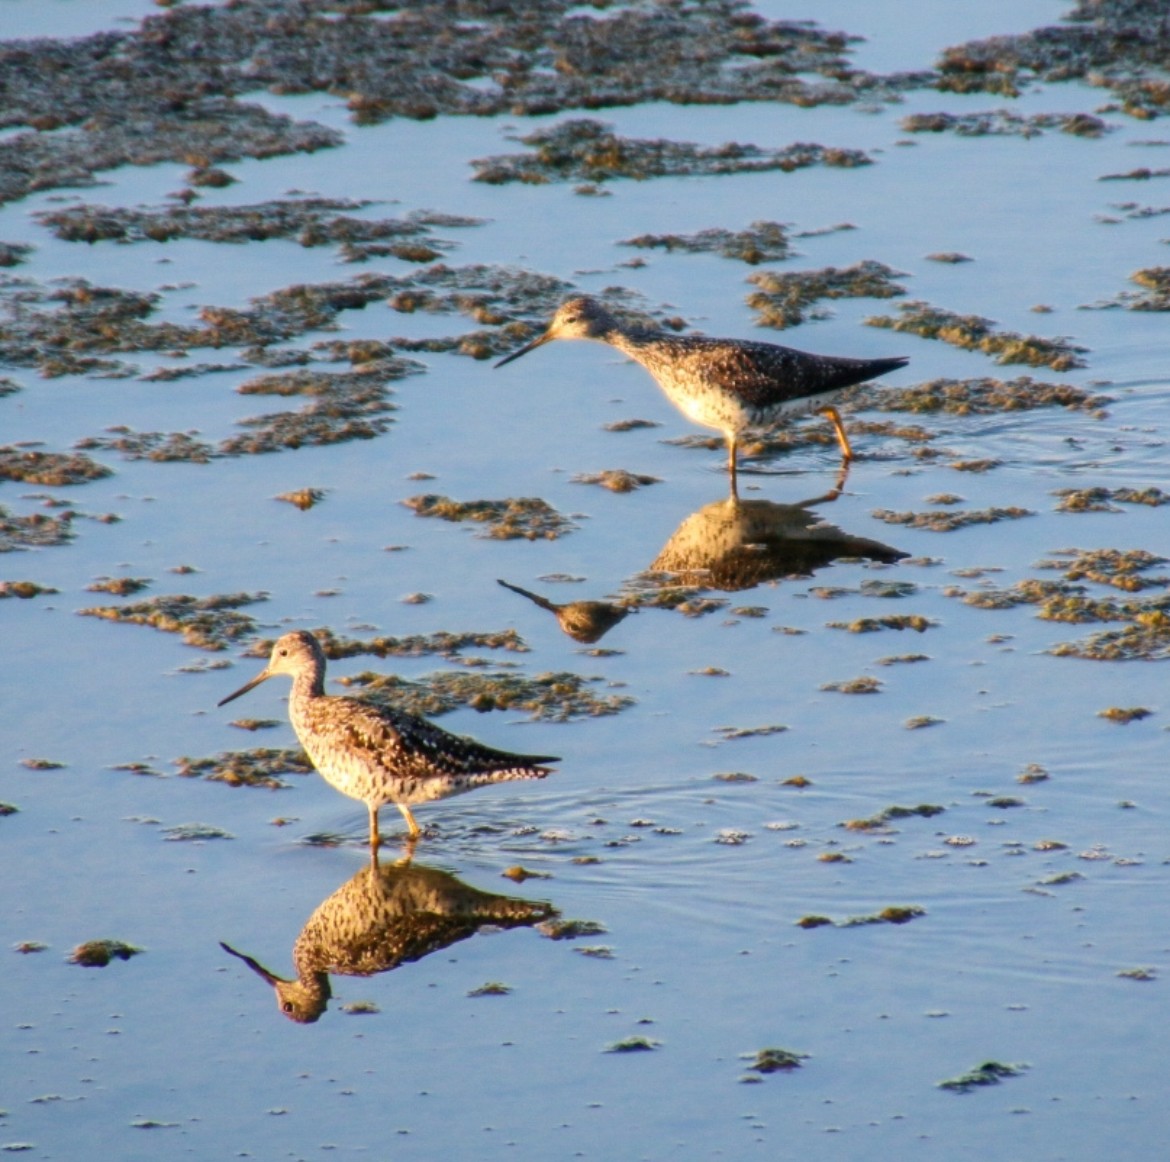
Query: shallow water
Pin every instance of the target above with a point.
(699, 882)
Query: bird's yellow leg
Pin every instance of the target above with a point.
(375, 838)
(415, 829)
(835, 419)
(732, 444)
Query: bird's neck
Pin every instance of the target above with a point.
(309, 684)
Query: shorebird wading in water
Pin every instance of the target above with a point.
(727, 384)
(376, 754)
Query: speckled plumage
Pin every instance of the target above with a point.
(727, 384)
(376, 754)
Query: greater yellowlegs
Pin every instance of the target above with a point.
(727, 384)
(376, 754)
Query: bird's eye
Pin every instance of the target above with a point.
(287, 1007)
(284, 653)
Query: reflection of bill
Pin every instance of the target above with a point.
(381, 918)
(735, 544)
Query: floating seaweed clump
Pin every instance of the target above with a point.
(975, 333)
(309, 221)
(1155, 295)
(989, 1073)
(444, 643)
(555, 697)
(259, 767)
(52, 469)
(760, 242)
(914, 621)
(99, 953)
(881, 821)
(211, 623)
(1122, 569)
(586, 150)
(945, 521)
(1101, 499)
(36, 531)
(616, 479)
(1003, 122)
(24, 589)
(784, 300)
(159, 446)
(980, 396)
(526, 517)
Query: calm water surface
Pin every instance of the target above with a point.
(1035, 895)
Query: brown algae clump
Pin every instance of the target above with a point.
(553, 697)
(584, 150)
(981, 396)
(914, 621)
(975, 333)
(989, 1073)
(1124, 715)
(119, 586)
(1101, 499)
(1003, 122)
(211, 623)
(259, 767)
(862, 685)
(99, 953)
(774, 1060)
(784, 300)
(616, 479)
(760, 242)
(52, 469)
(881, 821)
(528, 518)
(444, 643)
(944, 521)
(24, 589)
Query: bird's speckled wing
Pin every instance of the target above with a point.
(410, 746)
(760, 374)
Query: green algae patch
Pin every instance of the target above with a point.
(210, 623)
(882, 820)
(1124, 715)
(784, 300)
(99, 953)
(863, 685)
(24, 589)
(7, 809)
(730, 733)
(551, 697)
(975, 333)
(42, 764)
(1102, 499)
(260, 767)
(1005, 123)
(983, 395)
(585, 150)
(51, 469)
(901, 659)
(945, 521)
(616, 479)
(524, 518)
(989, 1073)
(760, 242)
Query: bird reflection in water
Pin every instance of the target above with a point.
(584, 621)
(383, 917)
(736, 544)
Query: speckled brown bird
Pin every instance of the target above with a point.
(376, 754)
(727, 384)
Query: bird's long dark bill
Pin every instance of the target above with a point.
(261, 677)
(254, 965)
(525, 349)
